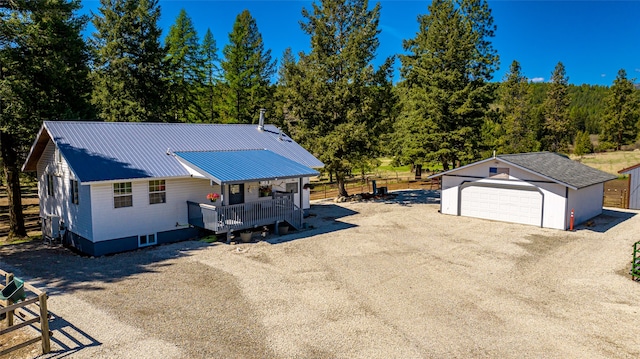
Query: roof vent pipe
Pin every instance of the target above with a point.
(280, 134)
(261, 121)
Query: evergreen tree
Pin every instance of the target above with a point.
(281, 116)
(128, 62)
(247, 72)
(520, 134)
(210, 93)
(446, 93)
(339, 101)
(185, 70)
(583, 144)
(622, 110)
(557, 124)
(43, 75)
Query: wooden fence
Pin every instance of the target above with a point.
(30, 311)
(330, 190)
(616, 193)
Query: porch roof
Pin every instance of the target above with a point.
(228, 167)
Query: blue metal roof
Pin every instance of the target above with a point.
(105, 151)
(226, 167)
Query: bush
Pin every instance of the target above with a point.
(583, 144)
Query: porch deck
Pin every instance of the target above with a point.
(224, 219)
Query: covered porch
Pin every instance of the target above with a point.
(235, 170)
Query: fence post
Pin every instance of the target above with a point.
(8, 280)
(44, 323)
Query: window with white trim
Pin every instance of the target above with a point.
(122, 195)
(157, 192)
(74, 192)
(50, 189)
(146, 240)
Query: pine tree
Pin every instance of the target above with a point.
(247, 72)
(210, 91)
(622, 111)
(340, 103)
(185, 70)
(520, 134)
(128, 62)
(43, 75)
(583, 144)
(557, 124)
(281, 116)
(446, 94)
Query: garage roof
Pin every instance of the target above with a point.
(554, 166)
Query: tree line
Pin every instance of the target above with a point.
(444, 110)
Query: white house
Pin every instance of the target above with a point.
(634, 185)
(113, 187)
(539, 189)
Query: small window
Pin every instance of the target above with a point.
(122, 196)
(57, 156)
(50, 189)
(146, 240)
(74, 192)
(157, 193)
(234, 188)
(498, 171)
(265, 191)
(292, 187)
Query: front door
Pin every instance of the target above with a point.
(236, 193)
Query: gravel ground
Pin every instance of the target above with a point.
(385, 279)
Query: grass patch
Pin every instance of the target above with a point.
(6, 242)
(209, 239)
(610, 162)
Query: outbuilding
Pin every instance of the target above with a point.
(540, 189)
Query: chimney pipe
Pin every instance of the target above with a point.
(261, 121)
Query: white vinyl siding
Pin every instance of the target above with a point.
(76, 217)
(142, 217)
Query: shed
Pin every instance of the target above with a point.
(539, 189)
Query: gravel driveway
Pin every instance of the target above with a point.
(386, 279)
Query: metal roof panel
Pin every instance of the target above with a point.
(100, 151)
(246, 165)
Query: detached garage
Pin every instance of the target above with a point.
(538, 189)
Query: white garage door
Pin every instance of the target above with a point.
(502, 204)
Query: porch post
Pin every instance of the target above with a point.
(222, 193)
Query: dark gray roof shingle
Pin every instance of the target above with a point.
(559, 168)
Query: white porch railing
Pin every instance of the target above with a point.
(244, 216)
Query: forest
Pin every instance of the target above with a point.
(446, 110)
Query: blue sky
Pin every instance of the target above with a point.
(594, 39)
